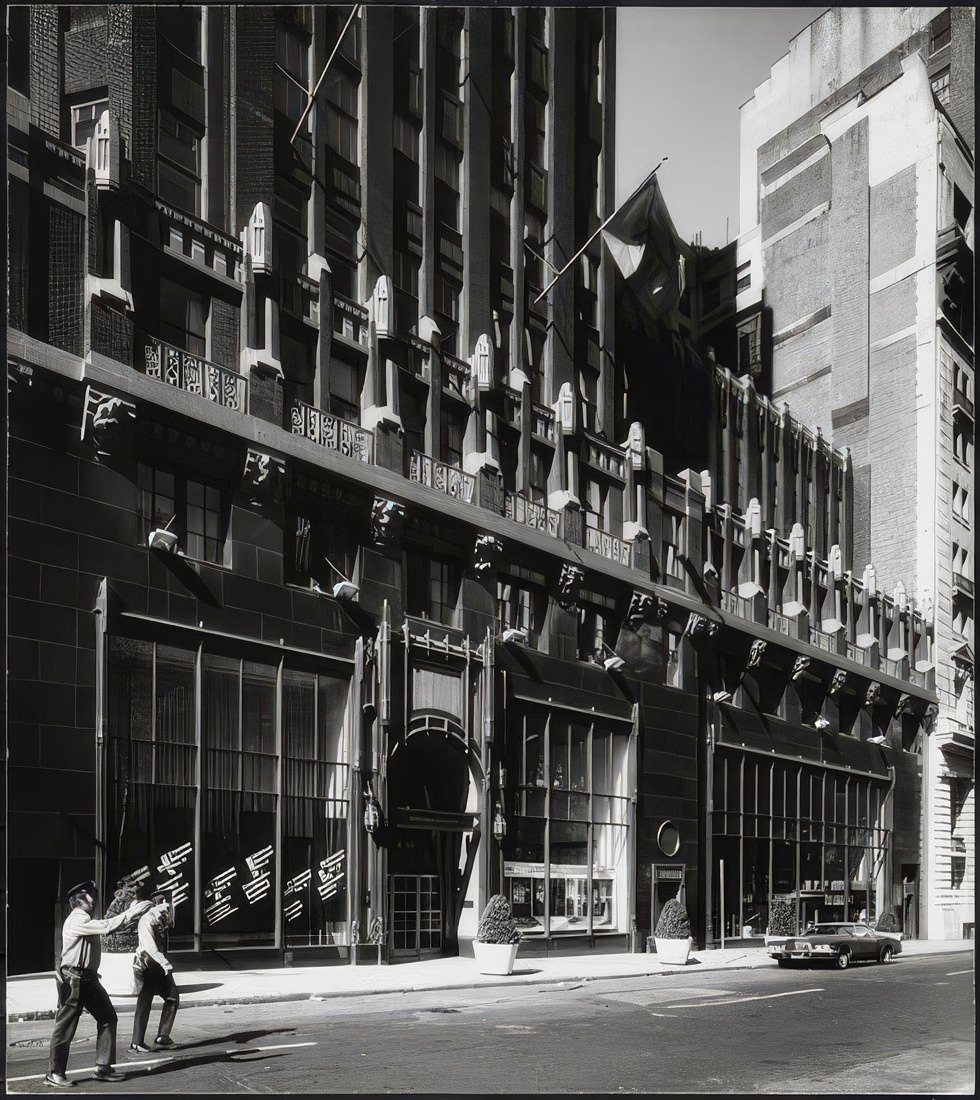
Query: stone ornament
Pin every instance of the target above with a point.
(107, 421)
(263, 477)
(838, 682)
(800, 665)
(873, 694)
(387, 521)
(569, 585)
(755, 654)
(486, 553)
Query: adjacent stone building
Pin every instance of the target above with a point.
(858, 232)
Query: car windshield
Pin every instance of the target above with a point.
(823, 930)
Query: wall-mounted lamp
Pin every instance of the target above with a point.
(612, 663)
(162, 538)
(499, 824)
(879, 739)
(821, 723)
(344, 589)
(515, 634)
(372, 812)
(722, 697)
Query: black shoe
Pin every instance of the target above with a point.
(163, 1041)
(107, 1073)
(58, 1081)
(138, 1048)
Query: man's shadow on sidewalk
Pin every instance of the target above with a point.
(240, 1037)
(135, 1074)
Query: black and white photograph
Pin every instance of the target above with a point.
(489, 550)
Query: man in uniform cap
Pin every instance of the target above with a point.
(79, 986)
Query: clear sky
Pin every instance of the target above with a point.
(682, 74)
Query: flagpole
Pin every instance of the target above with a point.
(333, 52)
(629, 198)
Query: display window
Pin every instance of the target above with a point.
(565, 859)
(810, 838)
(246, 761)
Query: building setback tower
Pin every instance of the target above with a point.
(857, 184)
(355, 574)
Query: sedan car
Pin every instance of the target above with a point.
(839, 943)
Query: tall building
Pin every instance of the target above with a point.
(857, 184)
(355, 572)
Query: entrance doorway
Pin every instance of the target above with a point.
(415, 905)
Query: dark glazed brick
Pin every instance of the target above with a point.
(97, 481)
(71, 748)
(23, 578)
(23, 701)
(182, 609)
(56, 705)
(57, 663)
(233, 621)
(34, 542)
(41, 834)
(41, 465)
(59, 586)
(23, 500)
(23, 746)
(85, 706)
(269, 566)
(23, 661)
(102, 558)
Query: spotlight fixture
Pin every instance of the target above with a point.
(162, 538)
(612, 663)
(722, 696)
(878, 739)
(515, 634)
(821, 723)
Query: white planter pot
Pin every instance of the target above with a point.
(116, 970)
(495, 958)
(674, 952)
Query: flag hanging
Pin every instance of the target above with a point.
(642, 240)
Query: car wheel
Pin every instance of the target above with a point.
(843, 959)
(886, 953)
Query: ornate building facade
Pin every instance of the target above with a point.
(354, 573)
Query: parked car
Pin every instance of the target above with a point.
(837, 942)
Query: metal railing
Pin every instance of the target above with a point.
(536, 516)
(191, 373)
(445, 479)
(608, 546)
(331, 432)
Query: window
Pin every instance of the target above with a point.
(433, 585)
(743, 277)
(19, 48)
(84, 118)
(341, 117)
(750, 345)
(179, 149)
(406, 274)
(451, 428)
(519, 606)
(183, 317)
(596, 494)
(406, 137)
(538, 475)
(342, 252)
(961, 503)
(193, 510)
(941, 32)
(537, 131)
(711, 295)
(345, 390)
(293, 72)
(940, 88)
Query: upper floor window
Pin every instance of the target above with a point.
(192, 509)
(19, 48)
(433, 587)
(344, 390)
(941, 32)
(519, 606)
(179, 164)
(183, 318)
(293, 75)
(341, 117)
(451, 428)
(84, 117)
(940, 87)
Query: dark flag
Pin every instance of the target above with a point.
(645, 246)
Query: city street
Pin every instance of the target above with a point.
(907, 1027)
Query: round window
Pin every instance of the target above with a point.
(668, 838)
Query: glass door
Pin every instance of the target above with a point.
(416, 915)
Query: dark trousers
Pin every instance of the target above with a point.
(83, 990)
(155, 984)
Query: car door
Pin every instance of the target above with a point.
(863, 942)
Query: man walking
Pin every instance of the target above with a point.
(158, 979)
(79, 986)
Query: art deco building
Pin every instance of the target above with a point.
(857, 197)
(356, 574)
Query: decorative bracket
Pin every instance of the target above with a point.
(755, 654)
(486, 553)
(873, 694)
(387, 521)
(107, 421)
(800, 665)
(263, 477)
(837, 683)
(569, 585)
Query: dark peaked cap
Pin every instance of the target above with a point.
(88, 887)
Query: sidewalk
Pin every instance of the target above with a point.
(32, 997)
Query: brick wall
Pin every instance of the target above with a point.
(255, 66)
(85, 59)
(797, 277)
(144, 98)
(224, 333)
(112, 333)
(46, 68)
(797, 196)
(892, 221)
(962, 75)
(119, 70)
(66, 277)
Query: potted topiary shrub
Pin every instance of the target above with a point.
(782, 921)
(497, 938)
(672, 935)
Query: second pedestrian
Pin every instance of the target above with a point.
(157, 976)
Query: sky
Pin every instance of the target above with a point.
(682, 74)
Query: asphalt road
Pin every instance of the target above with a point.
(907, 1027)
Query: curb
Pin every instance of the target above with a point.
(330, 995)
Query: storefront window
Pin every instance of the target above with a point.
(572, 773)
(152, 761)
